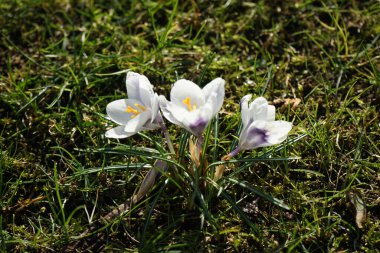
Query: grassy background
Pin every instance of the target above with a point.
(57, 73)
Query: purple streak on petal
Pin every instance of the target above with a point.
(198, 127)
(259, 136)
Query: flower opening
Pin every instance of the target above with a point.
(192, 107)
(138, 112)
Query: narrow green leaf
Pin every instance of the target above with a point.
(271, 199)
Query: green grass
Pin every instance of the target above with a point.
(62, 62)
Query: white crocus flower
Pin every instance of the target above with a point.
(138, 112)
(259, 126)
(192, 107)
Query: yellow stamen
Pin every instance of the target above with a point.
(131, 110)
(186, 101)
(142, 108)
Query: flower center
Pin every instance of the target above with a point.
(187, 102)
(133, 111)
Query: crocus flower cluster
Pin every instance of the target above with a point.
(192, 108)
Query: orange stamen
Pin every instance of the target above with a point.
(131, 110)
(187, 102)
(142, 108)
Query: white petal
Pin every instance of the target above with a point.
(162, 101)
(136, 123)
(118, 133)
(132, 83)
(116, 110)
(210, 109)
(165, 111)
(178, 113)
(215, 86)
(185, 89)
(271, 113)
(139, 88)
(245, 112)
(217, 105)
(146, 90)
(154, 103)
(260, 108)
(277, 131)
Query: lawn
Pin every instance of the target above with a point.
(62, 62)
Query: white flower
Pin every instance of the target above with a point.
(259, 126)
(138, 112)
(192, 107)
